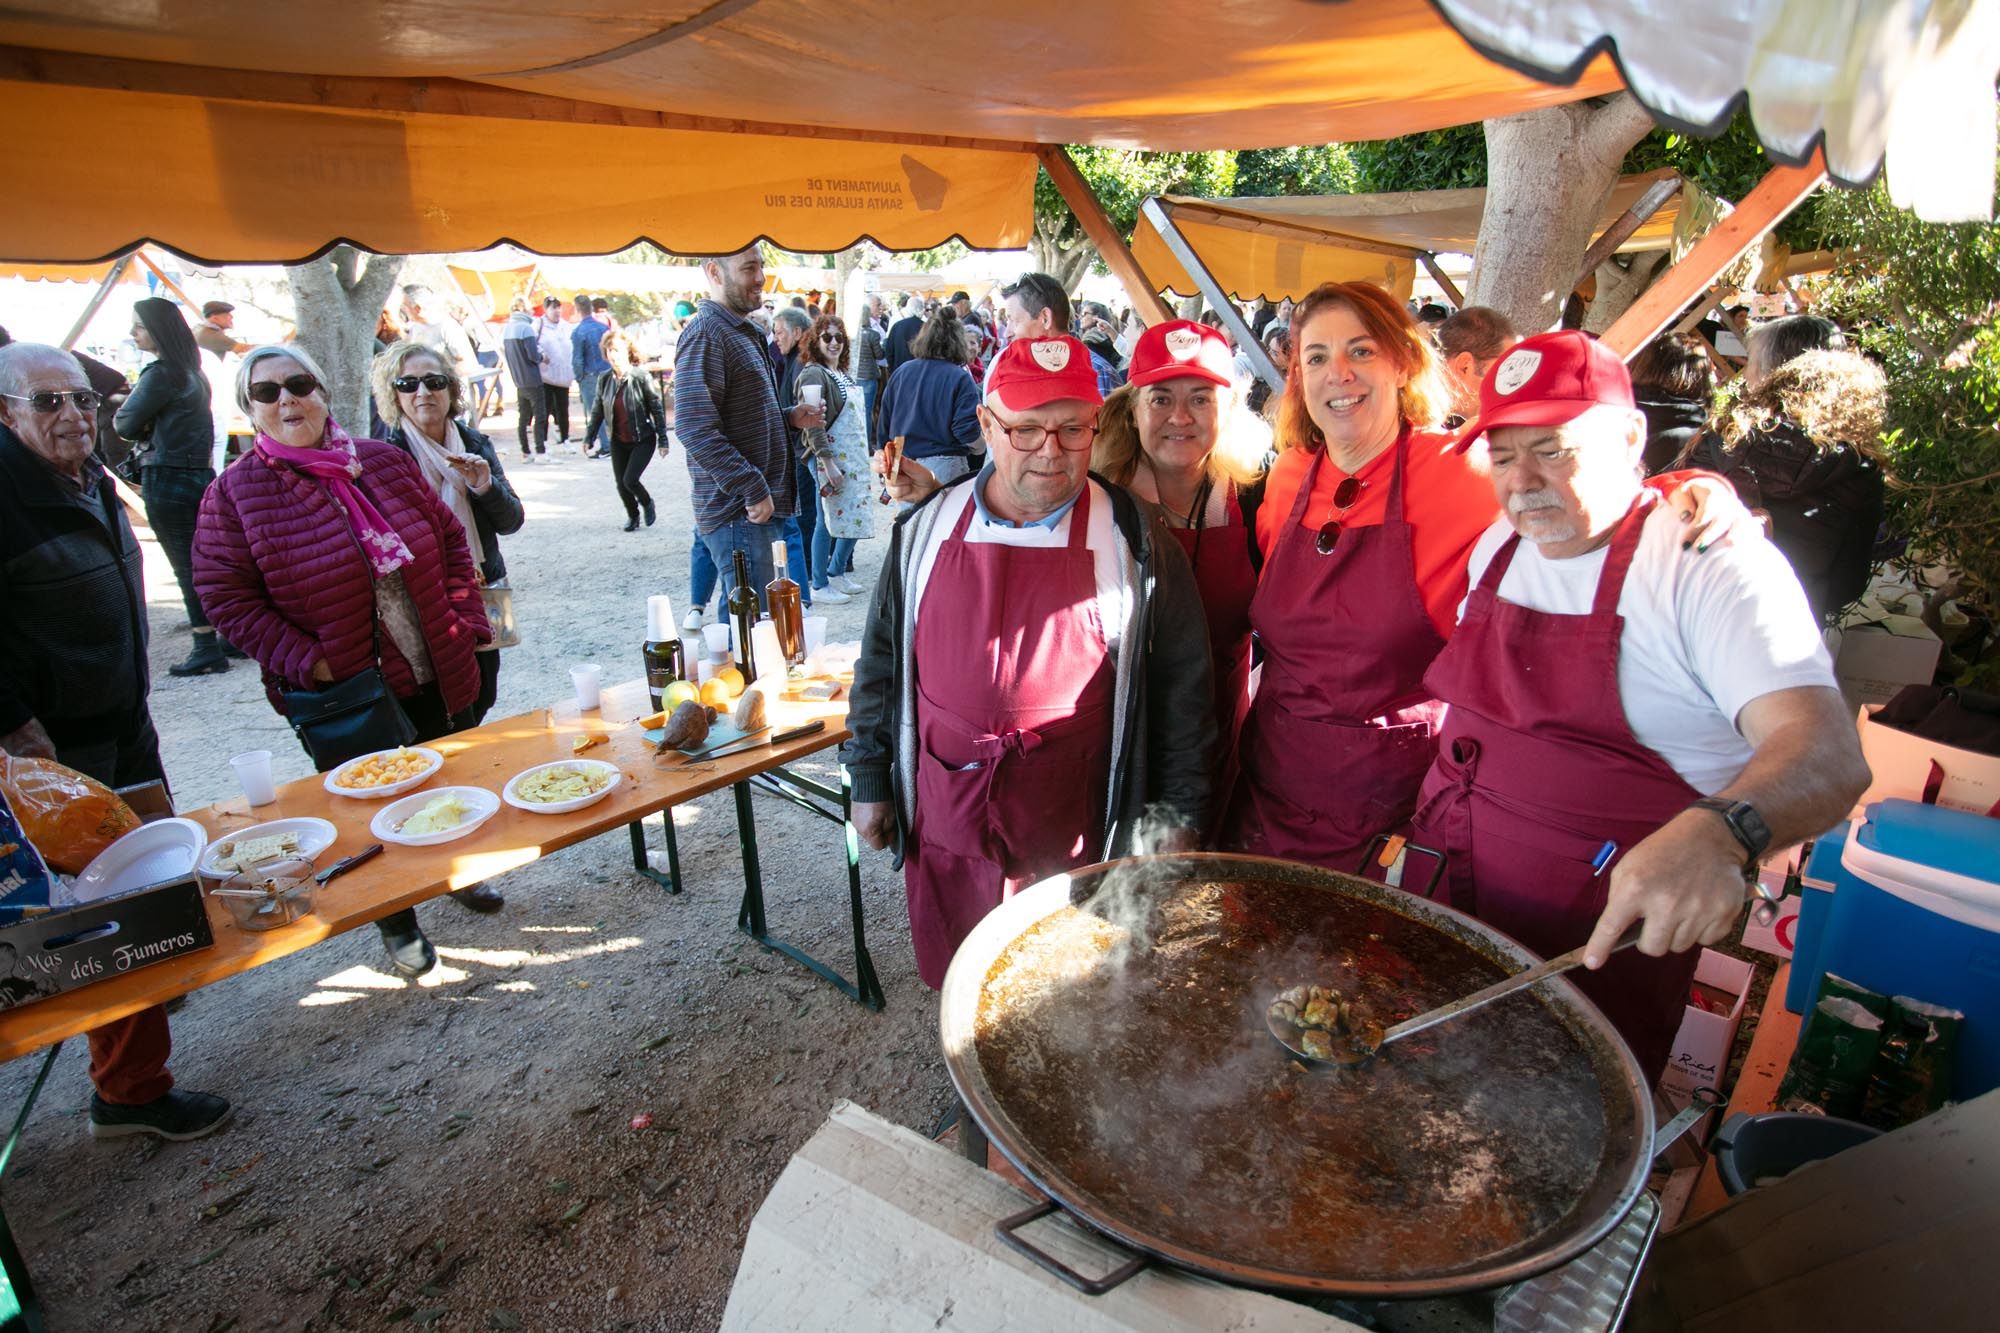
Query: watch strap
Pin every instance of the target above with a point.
(1742, 821)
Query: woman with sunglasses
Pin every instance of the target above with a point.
(837, 456)
(419, 396)
(634, 416)
(1177, 436)
(169, 413)
(326, 557)
(1370, 514)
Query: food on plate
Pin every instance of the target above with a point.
(732, 679)
(561, 783)
(749, 714)
(688, 726)
(681, 692)
(715, 694)
(68, 816)
(382, 770)
(244, 853)
(584, 742)
(442, 813)
(1324, 1026)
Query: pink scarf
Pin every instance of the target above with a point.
(338, 464)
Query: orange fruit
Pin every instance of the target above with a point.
(715, 693)
(732, 680)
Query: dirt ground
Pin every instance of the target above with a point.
(461, 1153)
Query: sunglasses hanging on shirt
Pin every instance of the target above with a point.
(1344, 496)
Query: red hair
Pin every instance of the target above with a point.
(1424, 396)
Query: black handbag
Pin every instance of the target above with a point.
(357, 716)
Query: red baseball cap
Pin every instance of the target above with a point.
(1034, 371)
(1181, 349)
(1547, 380)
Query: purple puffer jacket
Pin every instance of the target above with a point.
(279, 572)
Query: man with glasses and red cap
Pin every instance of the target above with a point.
(1630, 722)
(1034, 677)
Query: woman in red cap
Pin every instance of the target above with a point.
(1369, 515)
(1176, 436)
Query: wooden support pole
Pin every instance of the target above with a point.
(166, 281)
(1441, 278)
(1157, 213)
(1781, 190)
(96, 301)
(1701, 311)
(1096, 224)
(1652, 201)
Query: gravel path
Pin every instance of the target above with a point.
(459, 1154)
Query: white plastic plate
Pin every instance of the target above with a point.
(511, 794)
(484, 805)
(394, 788)
(154, 853)
(314, 835)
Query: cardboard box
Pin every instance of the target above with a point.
(1701, 1047)
(1900, 766)
(1881, 653)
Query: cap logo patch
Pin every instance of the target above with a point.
(1050, 354)
(1518, 368)
(1183, 344)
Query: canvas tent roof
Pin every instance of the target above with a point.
(704, 124)
(1287, 246)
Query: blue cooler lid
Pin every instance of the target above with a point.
(1929, 835)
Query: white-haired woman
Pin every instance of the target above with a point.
(325, 558)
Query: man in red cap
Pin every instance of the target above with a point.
(1631, 723)
(1034, 676)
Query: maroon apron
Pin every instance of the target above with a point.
(1537, 769)
(1343, 728)
(1015, 696)
(1227, 581)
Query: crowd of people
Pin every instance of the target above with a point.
(1432, 577)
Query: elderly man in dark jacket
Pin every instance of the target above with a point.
(73, 678)
(1034, 677)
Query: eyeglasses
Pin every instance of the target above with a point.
(1073, 436)
(832, 338)
(1344, 496)
(267, 391)
(411, 383)
(48, 402)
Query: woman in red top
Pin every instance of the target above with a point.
(1178, 437)
(1369, 515)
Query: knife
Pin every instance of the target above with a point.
(756, 739)
(346, 863)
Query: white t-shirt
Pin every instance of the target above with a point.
(1704, 635)
(1105, 549)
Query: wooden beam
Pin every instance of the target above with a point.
(166, 281)
(1700, 312)
(1161, 217)
(1781, 190)
(1652, 201)
(436, 97)
(1441, 278)
(1211, 216)
(1097, 225)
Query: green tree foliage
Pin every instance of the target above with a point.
(1450, 159)
(1121, 179)
(1922, 298)
(1311, 169)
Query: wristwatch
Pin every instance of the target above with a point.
(1744, 823)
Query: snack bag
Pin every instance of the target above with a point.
(68, 816)
(1836, 1053)
(1913, 1069)
(25, 881)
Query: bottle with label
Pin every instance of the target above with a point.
(742, 615)
(787, 609)
(666, 661)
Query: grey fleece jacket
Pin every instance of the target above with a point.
(1163, 730)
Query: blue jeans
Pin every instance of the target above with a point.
(586, 386)
(701, 573)
(795, 559)
(831, 555)
(807, 482)
(754, 540)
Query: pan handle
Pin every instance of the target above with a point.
(1700, 1102)
(1007, 1228)
(1374, 848)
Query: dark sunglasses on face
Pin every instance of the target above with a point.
(267, 391)
(1344, 496)
(832, 338)
(50, 401)
(410, 383)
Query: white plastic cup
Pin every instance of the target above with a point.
(812, 395)
(704, 671)
(588, 677)
(253, 770)
(717, 639)
(815, 632)
(769, 657)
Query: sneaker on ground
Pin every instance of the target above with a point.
(696, 617)
(178, 1115)
(831, 595)
(848, 584)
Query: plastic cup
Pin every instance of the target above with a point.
(812, 395)
(717, 639)
(815, 632)
(253, 770)
(588, 677)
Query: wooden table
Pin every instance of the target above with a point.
(400, 877)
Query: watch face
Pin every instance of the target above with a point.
(1754, 829)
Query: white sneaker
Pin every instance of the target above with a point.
(696, 617)
(850, 585)
(831, 595)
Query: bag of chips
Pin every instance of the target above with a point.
(1913, 1069)
(69, 816)
(1836, 1051)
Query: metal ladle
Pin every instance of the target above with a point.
(1359, 1047)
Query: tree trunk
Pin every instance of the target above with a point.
(1620, 284)
(339, 297)
(1062, 251)
(1549, 174)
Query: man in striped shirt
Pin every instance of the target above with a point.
(727, 416)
